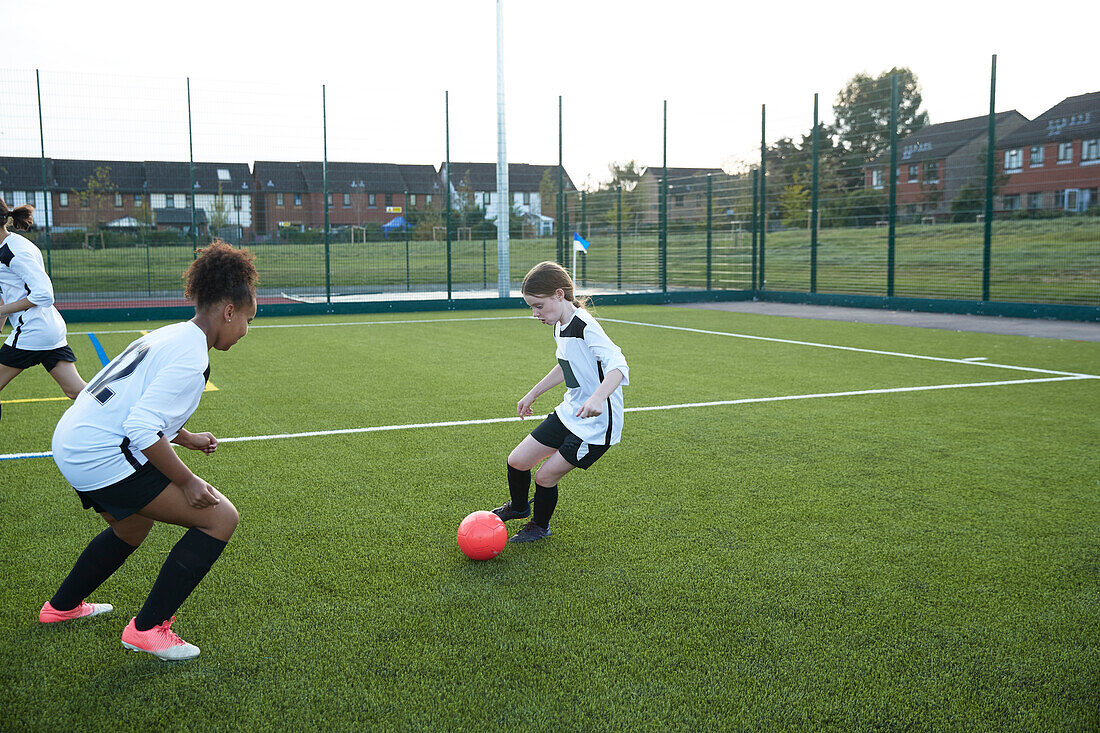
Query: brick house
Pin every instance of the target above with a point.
(936, 161)
(222, 190)
(1053, 162)
(687, 193)
(524, 184)
(290, 194)
(21, 183)
(76, 203)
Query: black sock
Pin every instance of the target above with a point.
(546, 498)
(519, 484)
(102, 557)
(185, 566)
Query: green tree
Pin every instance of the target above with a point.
(218, 216)
(968, 202)
(794, 204)
(862, 113)
(95, 198)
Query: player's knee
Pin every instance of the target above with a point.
(228, 518)
(133, 534)
(545, 477)
(518, 461)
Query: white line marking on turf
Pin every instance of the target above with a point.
(344, 323)
(488, 421)
(853, 348)
(975, 358)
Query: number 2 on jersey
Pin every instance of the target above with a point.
(121, 367)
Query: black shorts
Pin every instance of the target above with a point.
(128, 496)
(24, 359)
(552, 433)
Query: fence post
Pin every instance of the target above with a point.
(191, 168)
(710, 209)
(45, 186)
(763, 192)
(408, 284)
(584, 228)
(324, 195)
(813, 205)
(987, 236)
(755, 204)
(893, 211)
(484, 264)
(560, 223)
(447, 186)
(663, 237)
(619, 239)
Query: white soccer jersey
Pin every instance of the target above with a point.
(147, 391)
(22, 275)
(586, 355)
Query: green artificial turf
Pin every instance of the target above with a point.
(917, 560)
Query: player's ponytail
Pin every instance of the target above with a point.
(547, 277)
(21, 217)
(221, 273)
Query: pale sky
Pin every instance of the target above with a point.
(113, 77)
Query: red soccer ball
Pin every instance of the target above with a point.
(482, 535)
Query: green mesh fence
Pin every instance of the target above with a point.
(130, 174)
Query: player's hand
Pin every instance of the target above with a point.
(206, 442)
(200, 494)
(523, 407)
(590, 408)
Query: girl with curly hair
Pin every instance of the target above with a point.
(113, 446)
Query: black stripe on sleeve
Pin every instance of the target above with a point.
(125, 446)
(206, 374)
(6, 256)
(607, 436)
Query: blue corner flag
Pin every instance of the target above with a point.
(580, 244)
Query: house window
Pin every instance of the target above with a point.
(187, 201)
(877, 178)
(30, 198)
(931, 172)
(412, 199)
(679, 200)
(1090, 150)
(914, 173)
(329, 200)
(237, 201)
(911, 209)
(1036, 157)
(526, 198)
(1014, 159)
(137, 199)
(427, 199)
(370, 200)
(389, 199)
(169, 201)
(297, 199)
(278, 199)
(223, 174)
(63, 198)
(347, 199)
(1012, 203)
(1065, 152)
(1034, 201)
(118, 200)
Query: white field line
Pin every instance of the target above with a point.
(339, 323)
(853, 348)
(744, 401)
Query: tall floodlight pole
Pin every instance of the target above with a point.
(504, 208)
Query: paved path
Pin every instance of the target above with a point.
(1035, 327)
